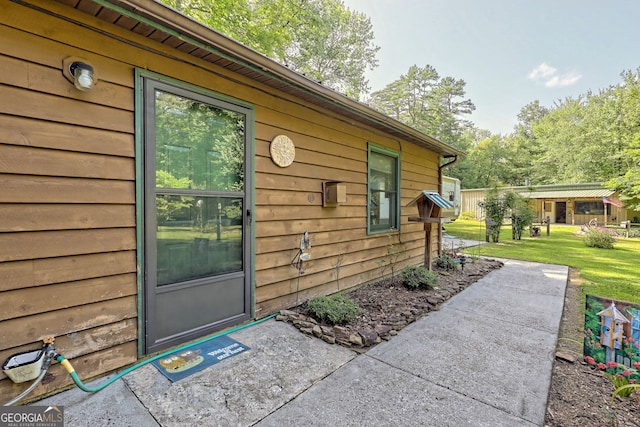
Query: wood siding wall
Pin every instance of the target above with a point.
(469, 200)
(67, 202)
(67, 191)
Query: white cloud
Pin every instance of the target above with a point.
(550, 77)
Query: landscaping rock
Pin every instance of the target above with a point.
(386, 307)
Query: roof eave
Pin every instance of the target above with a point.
(192, 29)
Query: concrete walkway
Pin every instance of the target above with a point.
(484, 359)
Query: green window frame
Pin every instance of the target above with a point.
(383, 190)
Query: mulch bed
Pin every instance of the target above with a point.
(387, 306)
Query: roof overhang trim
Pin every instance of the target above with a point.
(164, 18)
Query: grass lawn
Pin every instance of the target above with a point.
(609, 273)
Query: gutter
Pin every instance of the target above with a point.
(170, 21)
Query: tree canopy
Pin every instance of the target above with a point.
(427, 102)
(594, 137)
(321, 39)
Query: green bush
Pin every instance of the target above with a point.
(335, 309)
(446, 262)
(414, 277)
(599, 237)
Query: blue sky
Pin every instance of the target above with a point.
(509, 52)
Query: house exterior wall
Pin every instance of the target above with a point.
(469, 201)
(68, 238)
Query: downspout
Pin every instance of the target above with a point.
(440, 168)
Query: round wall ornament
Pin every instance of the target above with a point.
(282, 150)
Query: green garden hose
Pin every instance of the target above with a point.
(67, 365)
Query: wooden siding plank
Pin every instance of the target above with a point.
(44, 189)
(87, 366)
(350, 252)
(265, 165)
(268, 197)
(30, 301)
(317, 158)
(37, 133)
(308, 119)
(16, 274)
(351, 263)
(39, 161)
(18, 73)
(417, 177)
(30, 217)
(287, 198)
(280, 228)
(16, 332)
(331, 143)
(46, 244)
(367, 269)
(27, 103)
(84, 342)
(22, 274)
(288, 213)
(285, 242)
(39, 50)
(281, 182)
(96, 339)
(310, 135)
(410, 232)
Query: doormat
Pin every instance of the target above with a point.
(181, 364)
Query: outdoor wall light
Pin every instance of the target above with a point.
(82, 75)
(79, 72)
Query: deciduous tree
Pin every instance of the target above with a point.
(321, 39)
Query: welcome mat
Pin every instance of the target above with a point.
(181, 364)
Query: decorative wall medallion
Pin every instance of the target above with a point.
(282, 150)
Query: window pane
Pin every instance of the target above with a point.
(198, 146)
(197, 237)
(382, 171)
(382, 191)
(591, 207)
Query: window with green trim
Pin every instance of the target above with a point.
(383, 190)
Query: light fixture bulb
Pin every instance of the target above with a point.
(82, 76)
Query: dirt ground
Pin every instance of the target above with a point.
(579, 395)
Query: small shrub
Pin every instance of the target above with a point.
(599, 237)
(414, 277)
(335, 309)
(445, 262)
